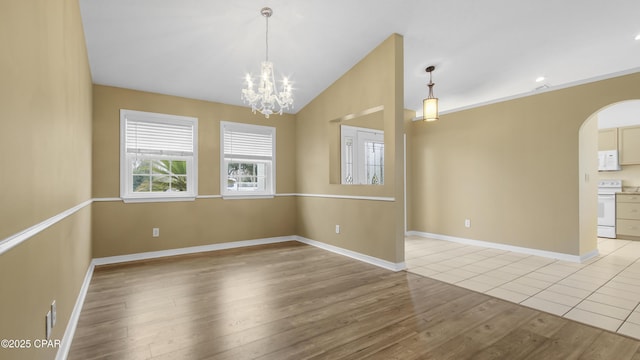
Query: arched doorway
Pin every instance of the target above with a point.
(616, 115)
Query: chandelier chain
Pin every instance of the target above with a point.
(266, 39)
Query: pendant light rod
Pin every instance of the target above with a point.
(430, 71)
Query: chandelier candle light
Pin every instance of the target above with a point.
(267, 99)
(430, 104)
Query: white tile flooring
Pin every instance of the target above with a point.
(602, 292)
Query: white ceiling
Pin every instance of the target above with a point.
(483, 50)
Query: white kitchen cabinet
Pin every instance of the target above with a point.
(628, 216)
(629, 145)
(608, 139)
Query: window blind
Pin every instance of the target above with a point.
(248, 142)
(159, 137)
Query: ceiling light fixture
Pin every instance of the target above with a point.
(540, 79)
(430, 104)
(638, 37)
(267, 99)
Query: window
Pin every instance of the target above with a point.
(158, 156)
(247, 164)
(362, 152)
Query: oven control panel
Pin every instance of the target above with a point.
(609, 186)
(610, 183)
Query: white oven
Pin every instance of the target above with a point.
(607, 216)
(607, 190)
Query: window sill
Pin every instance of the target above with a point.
(158, 199)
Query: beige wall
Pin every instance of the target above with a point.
(120, 228)
(510, 167)
(370, 227)
(45, 107)
(588, 184)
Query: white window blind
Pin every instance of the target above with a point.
(243, 142)
(247, 164)
(159, 137)
(158, 156)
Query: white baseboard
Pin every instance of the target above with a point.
(518, 249)
(65, 343)
(355, 255)
(237, 244)
(190, 250)
(588, 256)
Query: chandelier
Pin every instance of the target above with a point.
(266, 98)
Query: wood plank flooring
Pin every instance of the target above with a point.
(294, 301)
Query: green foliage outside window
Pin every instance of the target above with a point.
(160, 175)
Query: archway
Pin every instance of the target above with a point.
(619, 114)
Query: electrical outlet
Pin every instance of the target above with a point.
(156, 232)
(467, 223)
(47, 321)
(337, 229)
(53, 314)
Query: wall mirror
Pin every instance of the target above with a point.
(356, 148)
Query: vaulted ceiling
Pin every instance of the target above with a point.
(483, 50)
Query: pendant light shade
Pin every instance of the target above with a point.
(430, 104)
(430, 109)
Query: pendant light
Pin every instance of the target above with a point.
(430, 104)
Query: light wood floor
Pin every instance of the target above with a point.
(294, 301)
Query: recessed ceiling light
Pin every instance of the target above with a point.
(638, 37)
(540, 79)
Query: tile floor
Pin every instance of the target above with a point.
(602, 292)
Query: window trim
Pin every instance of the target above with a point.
(271, 176)
(126, 175)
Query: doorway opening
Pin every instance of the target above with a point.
(602, 132)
